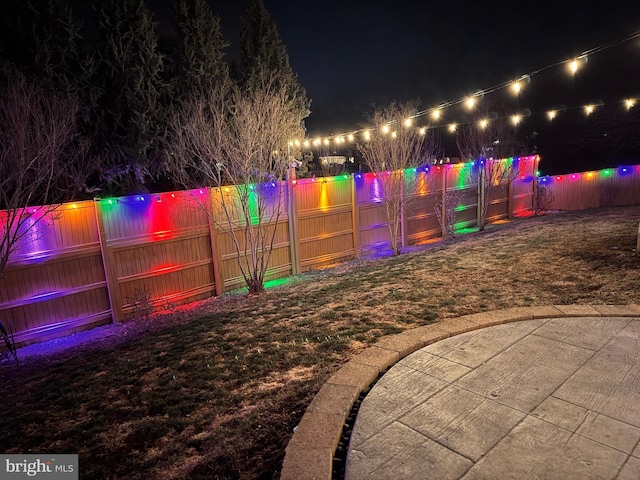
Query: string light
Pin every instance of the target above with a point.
(483, 123)
(588, 109)
(551, 114)
(423, 131)
(630, 103)
(469, 103)
(408, 122)
(573, 66)
(515, 119)
(516, 87)
(436, 114)
(452, 127)
(385, 129)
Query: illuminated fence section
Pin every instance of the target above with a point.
(423, 186)
(157, 250)
(373, 233)
(604, 188)
(522, 185)
(88, 263)
(324, 222)
(461, 183)
(55, 284)
(271, 200)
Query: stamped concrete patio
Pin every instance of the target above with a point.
(548, 398)
(553, 396)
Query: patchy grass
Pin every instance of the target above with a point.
(215, 390)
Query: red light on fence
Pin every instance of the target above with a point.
(558, 178)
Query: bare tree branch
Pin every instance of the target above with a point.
(395, 145)
(238, 142)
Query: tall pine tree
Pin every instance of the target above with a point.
(263, 57)
(130, 117)
(197, 66)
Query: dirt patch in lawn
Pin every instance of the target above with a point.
(214, 389)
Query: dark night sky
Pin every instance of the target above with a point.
(352, 54)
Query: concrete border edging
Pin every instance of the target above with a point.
(309, 454)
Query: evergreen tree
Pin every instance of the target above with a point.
(263, 57)
(198, 66)
(57, 46)
(130, 116)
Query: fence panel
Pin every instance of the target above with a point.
(55, 283)
(423, 187)
(271, 200)
(157, 250)
(373, 233)
(324, 226)
(605, 188)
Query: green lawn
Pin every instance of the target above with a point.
(215, 390)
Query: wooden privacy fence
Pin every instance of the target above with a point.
(99, 261)
(604, 188)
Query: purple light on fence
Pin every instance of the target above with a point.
(574, 176)
(377, 194)
(358, 176)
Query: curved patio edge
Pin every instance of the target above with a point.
(309, 454)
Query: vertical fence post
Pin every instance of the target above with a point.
(294, 245)
(510, 190)
(403, 218)
(108, 262)
(444, 202)
(216, 256)
(481, 193)
(355, 217)
(534, 187)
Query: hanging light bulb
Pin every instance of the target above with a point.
(394, 134)
(551, 114)
(385, 129)
(367, 135)
(436, 114)
(408, 122)
(350, 137)
(573, 66)
(516, 119)
(588, 109)
(469, 103)
(516, 87)
(452, 127)
(483, 123)
(630, 103)
(307, 143)
(423, 131)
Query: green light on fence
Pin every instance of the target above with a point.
(538, 173)
(460, 208)
(277, 282)
(606, 173)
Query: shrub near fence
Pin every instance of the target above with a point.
(92, 262)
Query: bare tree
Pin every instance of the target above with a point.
(239, 143)
(395, 146)
(38, 161)
(488, 137)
